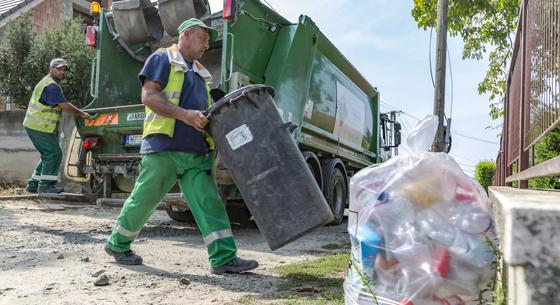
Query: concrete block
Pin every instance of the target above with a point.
(528, 226)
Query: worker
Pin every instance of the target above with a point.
(41, 122)
(175, 150)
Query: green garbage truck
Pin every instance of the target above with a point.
(339, 127)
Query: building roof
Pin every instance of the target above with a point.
(8, 7)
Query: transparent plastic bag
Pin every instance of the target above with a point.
(419, 229)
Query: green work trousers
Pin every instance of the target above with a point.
(159, 172)
(45, 175)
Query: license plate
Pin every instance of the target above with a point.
(133, 140)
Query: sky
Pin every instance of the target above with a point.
(381, 39)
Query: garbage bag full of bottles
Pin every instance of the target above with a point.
(420, 230)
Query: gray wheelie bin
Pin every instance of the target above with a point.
(267, 166)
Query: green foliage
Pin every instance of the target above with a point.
(546, 149)
(325, 274)
(66, 42)
(486, 27)
(484, 172)
(25, 56)
(495, 292)
(15, 46)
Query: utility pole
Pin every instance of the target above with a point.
(439, 94)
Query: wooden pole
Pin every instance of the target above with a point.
(439, 94)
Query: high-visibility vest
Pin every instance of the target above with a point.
(41, 117)
(157, 124)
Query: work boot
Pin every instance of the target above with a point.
(125, 258)
(236, 265)
(51, 190)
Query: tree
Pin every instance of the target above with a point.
(484, 172)
(66, 42)
(486, 27)
(546, 149)
(24, 60)
(17, 41)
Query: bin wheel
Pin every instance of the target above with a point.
(336, 192)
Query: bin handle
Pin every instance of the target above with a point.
(230, 57)
(289, 126)
(92, 80)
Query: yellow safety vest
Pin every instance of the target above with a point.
(41, 117)
(157, 124)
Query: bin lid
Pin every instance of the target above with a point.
(236, 94)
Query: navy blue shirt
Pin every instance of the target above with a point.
(52, 95)
(193, 96)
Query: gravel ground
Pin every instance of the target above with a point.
(52, 253)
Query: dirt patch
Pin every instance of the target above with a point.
(52, 253)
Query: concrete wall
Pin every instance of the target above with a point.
(18, 156)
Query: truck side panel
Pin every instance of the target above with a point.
(115, 72)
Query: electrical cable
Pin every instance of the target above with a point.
(474, 138)
(454, 155)
(468, 165)
(430, 59)
(389, 105)
(451, 79)
(271, 7)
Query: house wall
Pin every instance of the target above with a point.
(47, 15)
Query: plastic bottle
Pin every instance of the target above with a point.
(479, 253)
(392, 211)
(471, 218)
(435, 227)
(370, 242)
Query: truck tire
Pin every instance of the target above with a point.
(180, 216)
(314, 166)
(335, 189)
(239, 215)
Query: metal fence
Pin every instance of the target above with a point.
(532, 101)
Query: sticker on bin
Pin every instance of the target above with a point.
(239, 137)
(133, 140)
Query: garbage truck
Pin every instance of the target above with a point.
(334, 109)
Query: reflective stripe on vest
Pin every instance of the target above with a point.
(38, 116)
(157, 124)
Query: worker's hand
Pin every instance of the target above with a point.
(86, 116)
(195, 119)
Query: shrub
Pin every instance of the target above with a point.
(15, 78)
(25, 57)
(66, 42)
(484, 172)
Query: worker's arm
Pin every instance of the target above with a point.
(68, 107)
(158, 103)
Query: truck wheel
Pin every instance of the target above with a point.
(314, 166)
(335, 191)
(180, 216)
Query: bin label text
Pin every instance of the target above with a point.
(239, 137)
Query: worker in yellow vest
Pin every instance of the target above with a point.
(41, 122)
(175, 150)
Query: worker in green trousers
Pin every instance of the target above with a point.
(41, 122)
(175, 149)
